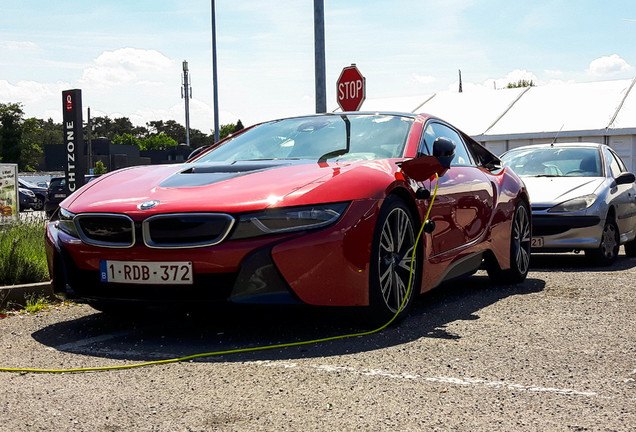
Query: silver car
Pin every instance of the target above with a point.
(583, 198)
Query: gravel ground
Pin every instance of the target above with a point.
(556, 353)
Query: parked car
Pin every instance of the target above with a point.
(39, 192)
(27, 199)
(320, 210)
(54, 195)
(583, 198)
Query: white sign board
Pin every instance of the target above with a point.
(9, 198)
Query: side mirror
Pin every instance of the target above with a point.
(444, 151)
(197, 151)
(625, 178)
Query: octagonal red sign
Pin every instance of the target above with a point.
(351, 90)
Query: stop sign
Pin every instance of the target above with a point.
(351, 89)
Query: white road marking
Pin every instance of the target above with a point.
(439, 379)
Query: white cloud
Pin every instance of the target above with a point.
(553, 72)
(18, 45)
(31, 93)
(125, 66)
(608, 66)
(423, 79)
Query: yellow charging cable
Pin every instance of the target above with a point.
(253, 349)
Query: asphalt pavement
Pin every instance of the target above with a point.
(555, 353)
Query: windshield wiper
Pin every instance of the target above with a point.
(336, 153)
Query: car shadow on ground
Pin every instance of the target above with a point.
(165, 334)
(573, 262)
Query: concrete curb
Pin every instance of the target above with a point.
(17, 294)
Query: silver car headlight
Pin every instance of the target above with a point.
(66, 222)
(574, 205)
(288, 219)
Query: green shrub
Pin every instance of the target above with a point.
(22, 254)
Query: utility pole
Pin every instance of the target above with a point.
(319, 55)
(186, 93)
(215, 94)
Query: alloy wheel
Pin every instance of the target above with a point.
(521, 240)
(397, 242)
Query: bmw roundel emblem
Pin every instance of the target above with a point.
(147, 205)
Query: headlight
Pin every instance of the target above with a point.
(573, 205)
(27, 192)
(66, 222)
(288, 219)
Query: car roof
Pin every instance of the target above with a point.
(559, 145)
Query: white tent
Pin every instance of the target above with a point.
(602, 111)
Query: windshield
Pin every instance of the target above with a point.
(555, 162)
(27, 184)
(318, 138)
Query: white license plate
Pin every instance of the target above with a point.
(59, 195)
(536, 242)
(150, 273)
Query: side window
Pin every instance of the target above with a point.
(612, 160)
(435, 130)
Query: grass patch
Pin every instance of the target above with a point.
(22, 254)
(36, 304)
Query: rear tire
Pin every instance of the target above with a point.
(390, 266)
(519, 250)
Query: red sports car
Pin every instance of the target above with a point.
(319, 210)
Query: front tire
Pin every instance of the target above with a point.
(39, 203)
(390, 294)
(520, 236)
(607, 251)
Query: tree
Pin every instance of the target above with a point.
(49, 132)
(102, 127)
(157, 142)
(170, 128)
(521, 83)
(30, 148)
(99, 168)
(199, 139)
(10, 132)
(229, 129)
(127, 139)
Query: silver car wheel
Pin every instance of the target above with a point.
(607, 251)
(397, 241)
(608, 241)
(521, 240)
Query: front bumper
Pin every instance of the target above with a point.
(328, 267)
(566, 233)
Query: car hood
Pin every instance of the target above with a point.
(555, 190)
(236, 187)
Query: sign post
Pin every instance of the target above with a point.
(351, 89)
(73, 139)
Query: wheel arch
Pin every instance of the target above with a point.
(409, 200)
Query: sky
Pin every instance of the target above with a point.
(126, 56)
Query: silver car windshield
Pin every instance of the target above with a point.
(555, 162)
(335, 136)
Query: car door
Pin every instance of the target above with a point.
(623, 197)
(464, 199)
